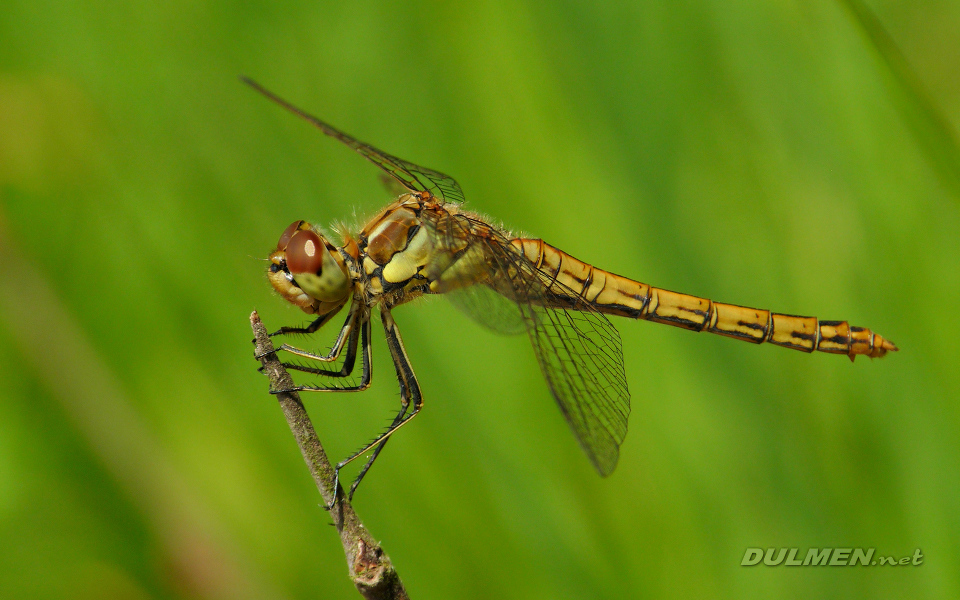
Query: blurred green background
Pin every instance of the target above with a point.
(786, 155)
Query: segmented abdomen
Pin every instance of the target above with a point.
(616, 295)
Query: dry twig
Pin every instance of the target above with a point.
(370, 568)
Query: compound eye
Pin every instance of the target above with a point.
(305, 252)
(287, 234)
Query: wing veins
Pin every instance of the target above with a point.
(585, 375)
(413, 177)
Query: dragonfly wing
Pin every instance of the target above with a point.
(488, 308)
(578, 348)
(461, 267)
(413, 177)
(581, 358)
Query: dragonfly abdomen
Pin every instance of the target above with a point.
(617, 295)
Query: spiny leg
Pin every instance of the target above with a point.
(348, 327)
(312, 327)
(347, 368)
(364, 333)
(397, 421)
(411, 400)
(315, 325)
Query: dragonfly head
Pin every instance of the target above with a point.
(307, 270)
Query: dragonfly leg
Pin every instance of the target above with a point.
(342, 337)
(312, 327)
(363, 335)
(349, 332)
(411, 400)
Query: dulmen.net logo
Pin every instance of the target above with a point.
(826, 557)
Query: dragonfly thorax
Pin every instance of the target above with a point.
(309, 271)
(396, 251)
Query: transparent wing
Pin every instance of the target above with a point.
(578, 348)
(413, 177)
(490, 309)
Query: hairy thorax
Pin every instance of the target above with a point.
(396, 250)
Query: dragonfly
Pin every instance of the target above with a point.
(425, 243)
